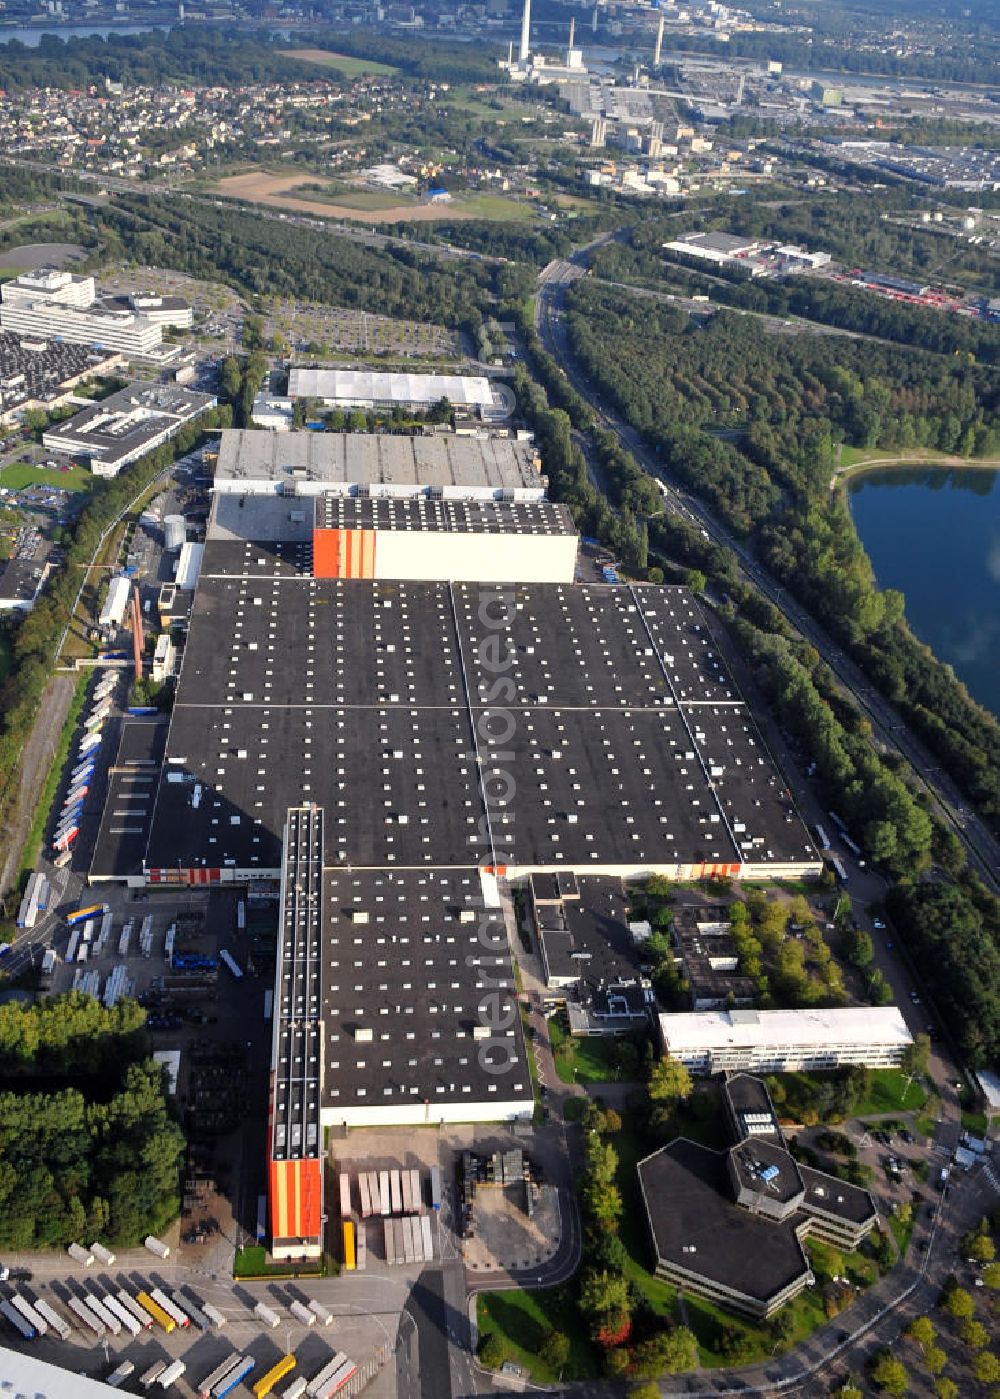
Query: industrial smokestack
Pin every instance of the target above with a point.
(659, 43)
(525, 33)
(593, 22)
(572, 29)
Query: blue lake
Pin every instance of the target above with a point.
(935, 535)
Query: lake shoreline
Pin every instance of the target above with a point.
(931, 530)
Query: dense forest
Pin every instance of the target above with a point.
(262, 256)
(752, 423)
(87, 1144)
(200, 55)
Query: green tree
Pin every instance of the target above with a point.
(979, 1246)
(681, 1351)
(554, 1350)
(934, 1360)
(781, 1329)
(859, 948)
(945, 1388)
(959, 1304)
(974, 1334)
(922, 1330)
(986, 1367)
(916, 1057)
(890, 1374)
(669, 1080)
(230, 377)
(493, 1351)
(991, 1276)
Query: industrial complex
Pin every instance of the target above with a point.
(395, 700)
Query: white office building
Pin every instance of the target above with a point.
(49, 286)
(780, 1041)
(61, 306)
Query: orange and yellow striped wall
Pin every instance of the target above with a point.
(344, 553)
(296, 1198)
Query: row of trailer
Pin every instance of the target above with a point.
(118, 1312)
(389, 1192)
(408, 1240)
(82, 776)
(35, 901)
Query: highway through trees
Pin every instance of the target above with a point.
(889, 733)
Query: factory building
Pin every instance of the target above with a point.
(441, 465)
(783, 1041)
(115, 603)
(364, 388)
(126, 426)
(337, 726)
(295, 1138)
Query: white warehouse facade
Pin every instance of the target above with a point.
(783, 1041)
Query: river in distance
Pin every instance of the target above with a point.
(935, 535)
(31, 35)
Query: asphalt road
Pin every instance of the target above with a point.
(888, 730)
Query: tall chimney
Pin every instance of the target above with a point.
(572, 29)
(593, 23)
(659, 42)
(525, 33)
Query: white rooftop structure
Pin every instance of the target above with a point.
(365, 388)
(382, 464)
(189, 566)
(775, 1041)
(24, 1375)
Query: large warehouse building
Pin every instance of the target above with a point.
(369, 712)
(366, 388)
(438, 465)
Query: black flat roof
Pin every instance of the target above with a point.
(752, 1107)
(588, 937)
(128, 808)
(697, 1226)
(120, 424)
(835, 1196)
(629, 744)
(419, 1004)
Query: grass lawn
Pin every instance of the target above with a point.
(351, 67)
(20, 474)
(583, 1058)
(523, 1319)
(491, 206)
(902, 1233)
(57, 764)
(975, 1122)
(251, 1262)
(373, 200)
(889, 1093)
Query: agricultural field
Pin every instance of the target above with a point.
(285, 191)
(344, 63)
